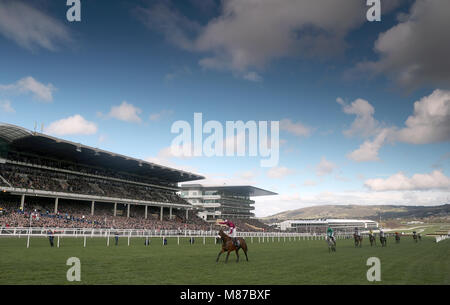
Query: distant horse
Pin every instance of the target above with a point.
(228, 245)
(383, 241)
(331, 244)
(420, 236)
(372, 240)
(415, 237)
(358, 240)
(397, 238)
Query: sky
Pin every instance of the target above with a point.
(363, 107)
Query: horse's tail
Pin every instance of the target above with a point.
(243, 244)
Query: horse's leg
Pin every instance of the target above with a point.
(237, 254)
(245, 252)
(228, 254)
(221, 251)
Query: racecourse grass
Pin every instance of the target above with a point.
(277, 262)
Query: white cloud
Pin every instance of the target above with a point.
(297, 129)
(5, 106)
(279, 172)
(400, 182)
(125, 112)
(368, 151)
(30, 27)
(364, 123)
(249, 34)
(430, 122)
(74, 125)
(415, 51)
(30, 85)
(325, 167)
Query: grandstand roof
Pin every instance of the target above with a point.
(25, 140)
(246, 190)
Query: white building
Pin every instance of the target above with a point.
(320, 225)
(222, 201)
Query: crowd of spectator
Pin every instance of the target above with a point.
(76, 217)
(48, 180)
(76, 167)
(73, 214)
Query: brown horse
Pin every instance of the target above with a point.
(228, 245)
(372, 240)
(358, 240)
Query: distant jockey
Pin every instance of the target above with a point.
(357, 232)
(330, 234)
(232, 232)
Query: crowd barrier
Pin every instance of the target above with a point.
(85, 233)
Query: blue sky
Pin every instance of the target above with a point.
(364, 107)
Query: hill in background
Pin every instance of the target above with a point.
(373, 212)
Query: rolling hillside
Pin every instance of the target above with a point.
(359, 211)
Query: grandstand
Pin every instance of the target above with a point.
(222, 201)
(47, 181)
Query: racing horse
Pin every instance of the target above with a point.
(397, 238)
(358, 240)
(415, 237)
(331, 244)
(383, 241)
(228, 245)
(372, 240)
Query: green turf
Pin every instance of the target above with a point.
(294, 262)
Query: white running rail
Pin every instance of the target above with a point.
(89, 232)
(441, 238)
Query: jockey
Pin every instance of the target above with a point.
(330, 234)
(381, 232)
(232, 232)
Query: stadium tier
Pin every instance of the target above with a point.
(40, 171)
